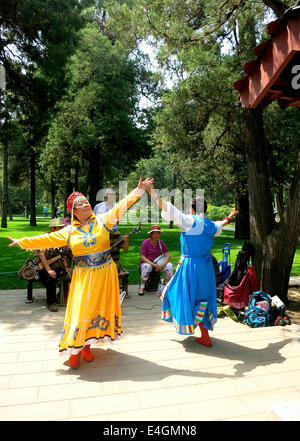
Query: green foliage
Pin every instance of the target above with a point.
(283, 133)
(205, 44)
(196, 126)
(36, 40)
(157, 166)
(37, 30)
(218, 213)
(98, 109)
(198, 123)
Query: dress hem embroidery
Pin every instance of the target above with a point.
(73, 350)
(188, 329)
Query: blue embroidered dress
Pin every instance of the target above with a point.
(190, 297)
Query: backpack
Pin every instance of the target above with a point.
(255, 316)
(242, 267)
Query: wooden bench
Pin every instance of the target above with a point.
(59, 283)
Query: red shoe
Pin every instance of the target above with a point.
(74, 361)
(204, 339)
(86, 353)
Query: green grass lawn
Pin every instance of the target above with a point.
(11, 259)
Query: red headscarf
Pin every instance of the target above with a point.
(71, 199)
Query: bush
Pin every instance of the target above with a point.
(218, 213)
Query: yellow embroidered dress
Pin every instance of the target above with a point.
(93, 311)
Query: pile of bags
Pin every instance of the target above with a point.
(240, 292)
(264, 310)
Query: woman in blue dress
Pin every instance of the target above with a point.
(190, 298)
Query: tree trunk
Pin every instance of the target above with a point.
(1, 198)
(10, 209)
(275, 243)
(68, 190)
(53, 194)
(5, 185)
(242, 222)
(95, 175)
(277, 263)
(76, 176)
(32, 190)
(171, 224)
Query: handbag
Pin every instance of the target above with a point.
(161, 258)
(252, 278)
(238, 296)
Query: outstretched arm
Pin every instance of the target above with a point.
(169, 212)
(13, 241)
(48, 240)
(110, 218)
(229, 218)
(225, 221)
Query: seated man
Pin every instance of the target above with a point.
(118, 241)
(151, 249)
(54, 262)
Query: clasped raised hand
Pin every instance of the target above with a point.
(145, 185)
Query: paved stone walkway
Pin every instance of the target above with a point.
(152, 374)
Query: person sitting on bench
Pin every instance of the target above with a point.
(154, 255)
(118, 241)
(61, 262)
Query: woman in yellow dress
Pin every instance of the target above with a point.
(93, 311)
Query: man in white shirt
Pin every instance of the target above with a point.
(108, 204)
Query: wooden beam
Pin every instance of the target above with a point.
(281, 82)
(295, 103)
(288, 98)
(275, 92)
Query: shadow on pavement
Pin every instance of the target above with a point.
(249, 358)
(111, 365)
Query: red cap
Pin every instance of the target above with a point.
(71, 199)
